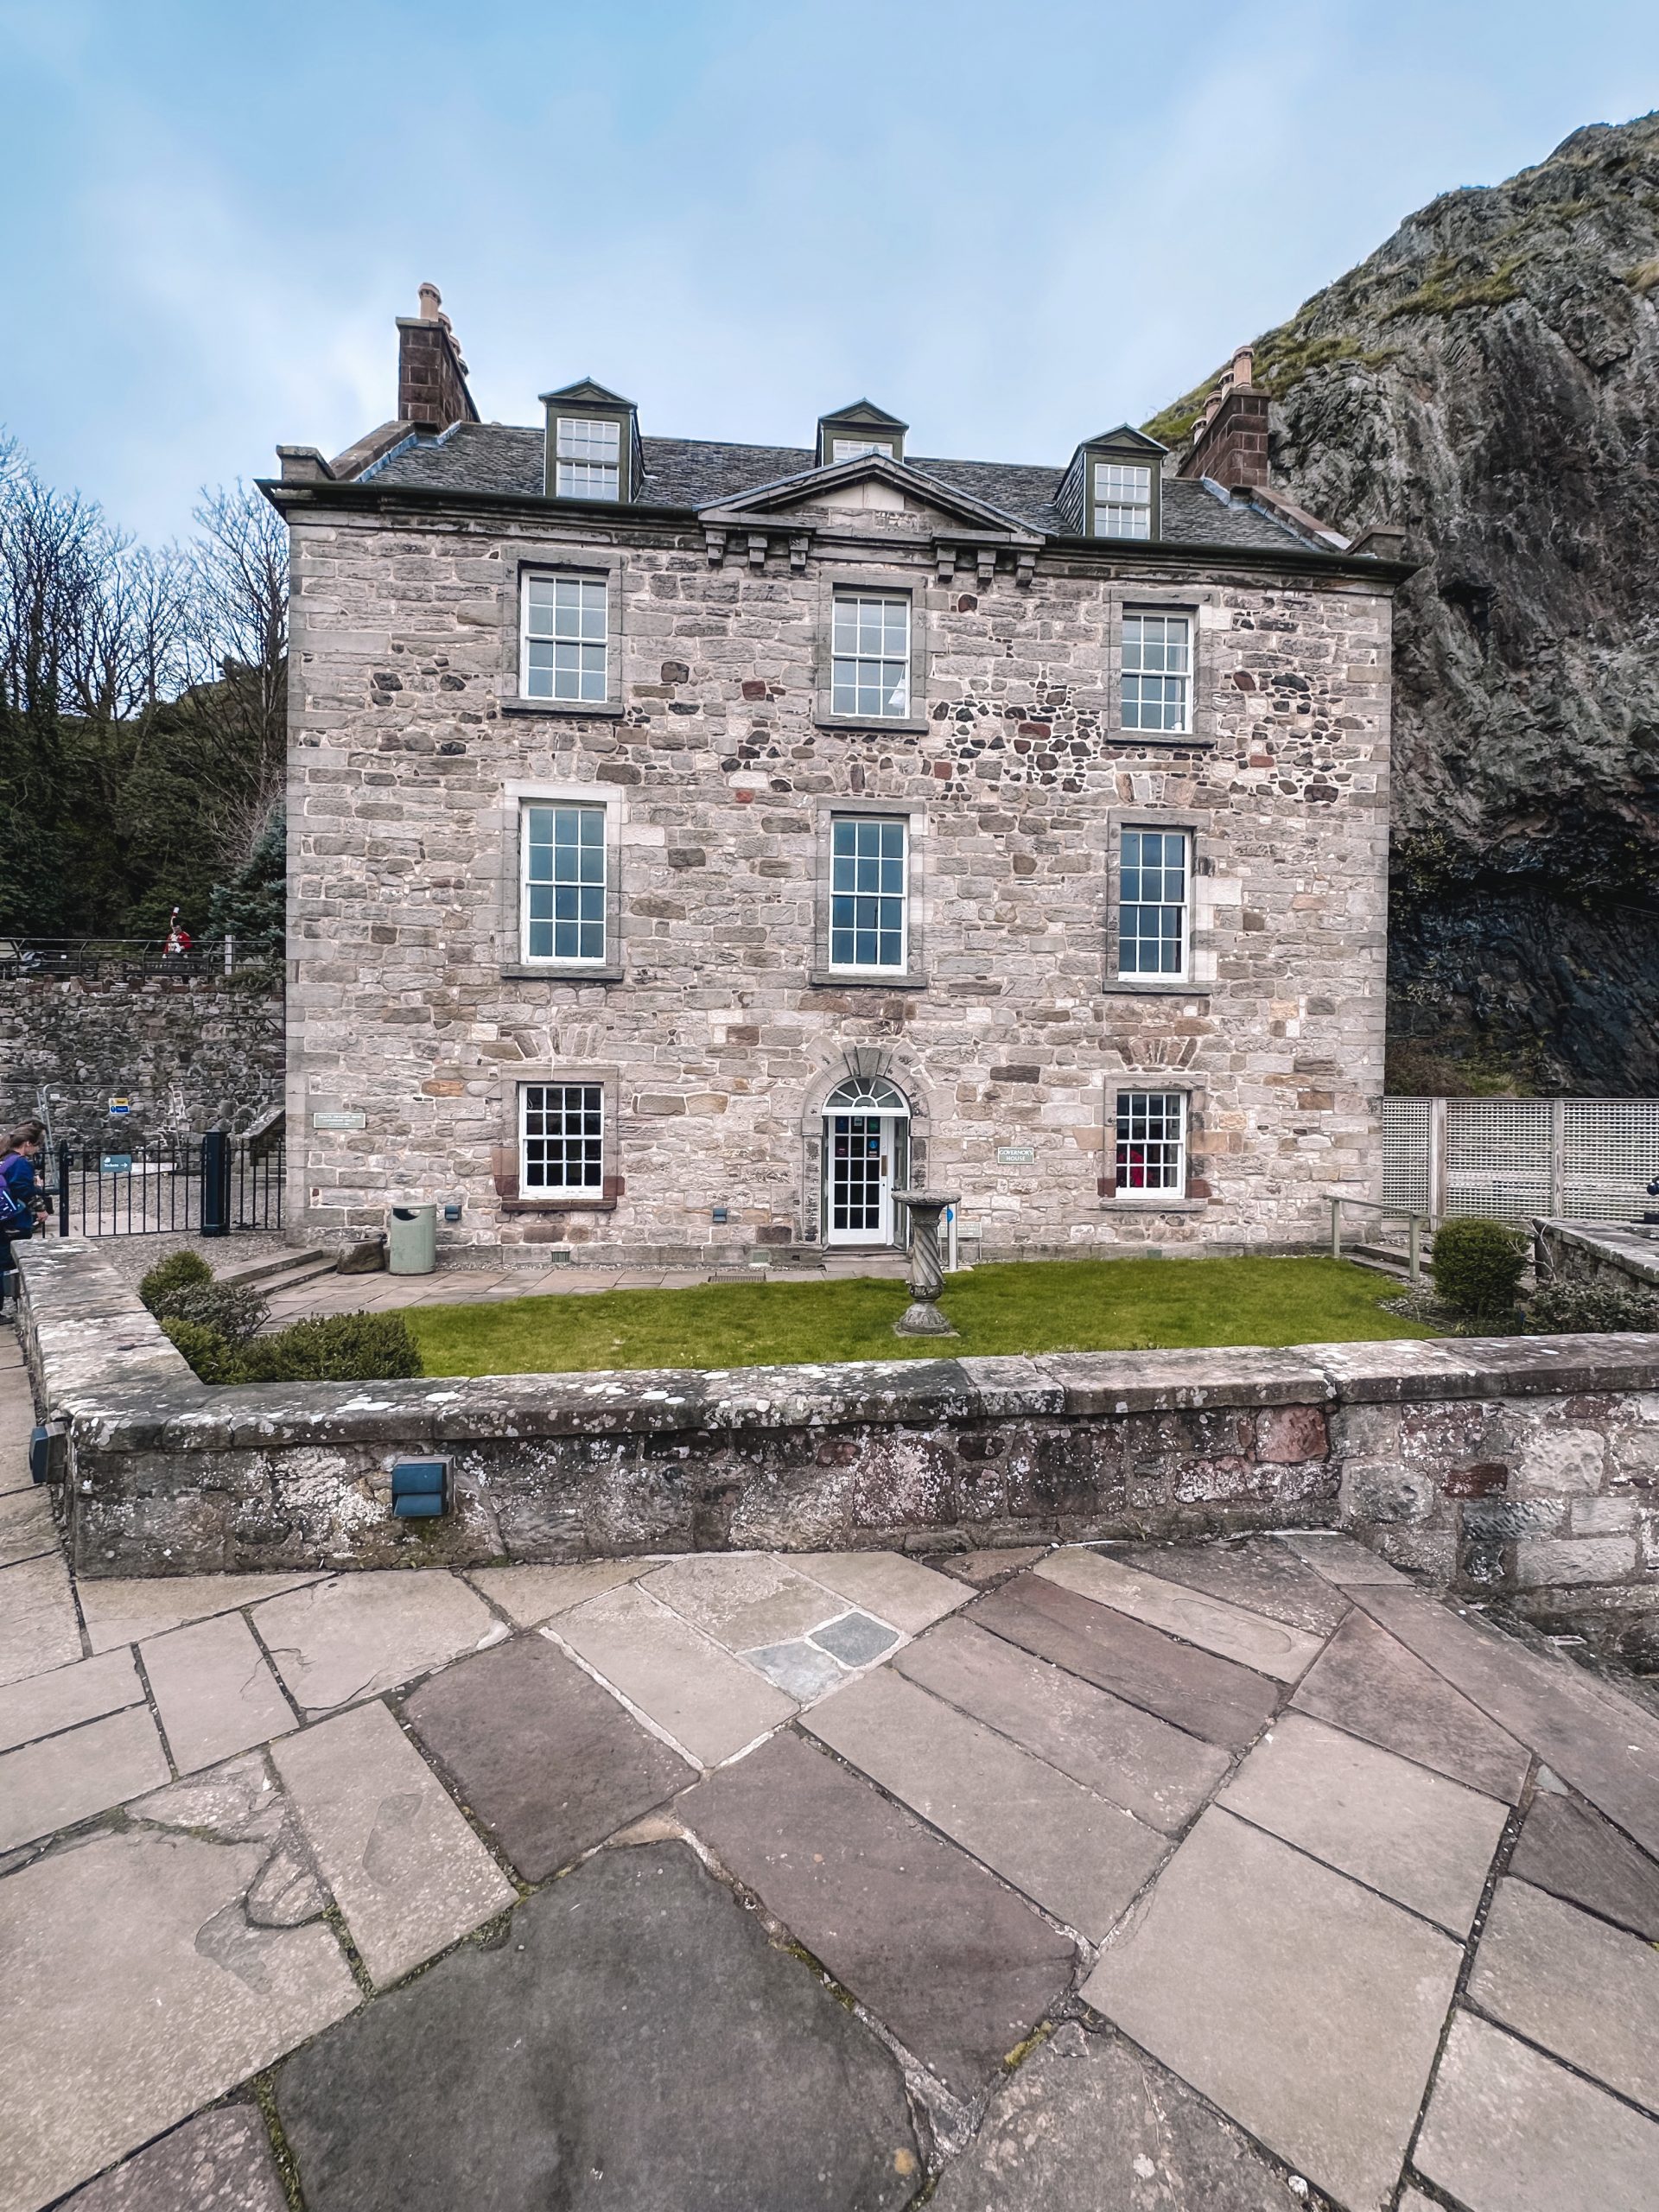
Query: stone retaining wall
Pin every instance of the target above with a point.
(196, 1051)
(1607, 1256)
(1522, 1465)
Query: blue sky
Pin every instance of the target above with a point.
(1012, 224)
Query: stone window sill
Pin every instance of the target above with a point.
(558, 1205)
(582, 709)
(553, 971)
(1159, 739)
(1126, 987)
(1152, 1202)
(872, 725)
(864, 979)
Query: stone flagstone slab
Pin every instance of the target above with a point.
(1087, 2122)
(129, 1610)
(38, 1628)
(1584, 1991)
(635, 2044)
(1421, 1840)
(983, 1568)
(800, 1669)
(41, 1704)
(1569, 1849)
(958, 1969)
(358, 1634)
(743, 1599)
(1079, 1858)
(1508, 2131)
(405, 1869)
(856, 1639)
(1210, 1697)
(711, 1704)
(1607, 1746)
(136, 1992)
(1373, 1687)
(1270, 1647)
(67, 1778)
(1157, 1772)
(548, 1761)
(15, 1476)
(886, 1584)
(213, 1691)
(1257, 1573)
(218, 2162)
(1307, 2008)
(27, 1528)
(530, 1595)
(1341, 1559)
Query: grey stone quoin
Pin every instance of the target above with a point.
(715, 1029)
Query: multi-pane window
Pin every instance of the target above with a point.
(866, 892)
(562, 1138)
(588, 459)
(564, 883)
(1151, 903)
(870, 652)
(1157, 672)
(856, 448)
(1122, 500)
(566, 650)
(1151, 1141)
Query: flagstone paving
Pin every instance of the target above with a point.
(1202, 1880)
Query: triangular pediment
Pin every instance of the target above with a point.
(863, 414)
(1124, 435)
(912, 491)
(585, 393)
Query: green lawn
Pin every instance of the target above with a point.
(1036, 1305)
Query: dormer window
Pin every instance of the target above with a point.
(1112, 487)
(852, 433)
(588, 457)
(593, 444)
(1122, 500)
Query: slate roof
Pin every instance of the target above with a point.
(697, 473)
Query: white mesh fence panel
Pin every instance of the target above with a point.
(1405, 1153)
(1512, 1158)
(1609, 1153)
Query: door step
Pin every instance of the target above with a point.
(294, 1268)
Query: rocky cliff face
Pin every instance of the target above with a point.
(1490, 379)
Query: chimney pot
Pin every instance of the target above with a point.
(1243, 365)
(431, 304)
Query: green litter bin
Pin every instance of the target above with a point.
(412, 1240)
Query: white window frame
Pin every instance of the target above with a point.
(1132, 868)
(1154, 1115)
(1151, 690)
(853, 599)
(591, 1186)
(856, 448)
(590, 810)
(865, 822)
(539, 624)
(1122, 500)
(586, 457)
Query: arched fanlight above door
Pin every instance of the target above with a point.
(867, 1094)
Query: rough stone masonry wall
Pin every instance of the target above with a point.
(1527, 1467)
(197, 1051)
(717, 1049)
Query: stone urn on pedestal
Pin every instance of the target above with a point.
(922, 1317)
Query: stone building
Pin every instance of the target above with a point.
(689, 843)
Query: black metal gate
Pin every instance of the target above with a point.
(207, 1186)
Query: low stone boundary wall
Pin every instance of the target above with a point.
(1608, 1255)
(1516, 1465)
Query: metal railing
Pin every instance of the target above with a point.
(204, 1185)
(44, 958)
(1415, 1225)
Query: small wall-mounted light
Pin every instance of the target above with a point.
(420, 1489)
(719, 1214)
(47, 1454)
(452, 1210)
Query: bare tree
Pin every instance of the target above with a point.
(238, 645)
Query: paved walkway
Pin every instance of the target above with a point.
(1214, 1879)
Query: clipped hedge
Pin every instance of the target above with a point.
(230, 1310)
(329, 1348)
(165, 1282)
(1567, 1309)
(1477, 1267)
(207, 1351)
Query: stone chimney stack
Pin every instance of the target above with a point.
(1230, 441)
(432, 394)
